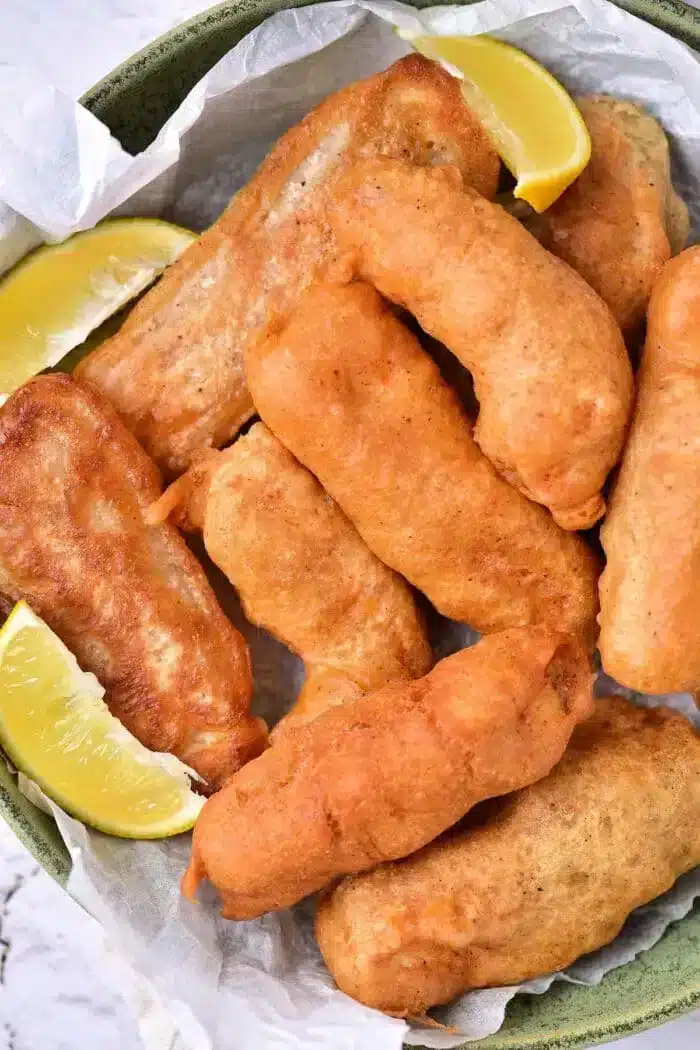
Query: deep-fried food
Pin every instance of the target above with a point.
(378, 778)
(131, 603)
(550, 368)
(350, 392)
(337, 794)
(348, 389)
(650, 603)
(540, 878)
(621, 220)
(303, 572)
(175, 370)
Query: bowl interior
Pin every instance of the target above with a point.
(663, 983)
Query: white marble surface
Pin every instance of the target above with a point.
(57, 991)
(54, 993)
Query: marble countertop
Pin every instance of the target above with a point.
(58, 989)
(55, 993)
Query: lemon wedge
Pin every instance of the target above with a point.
(533, 122)
(57, 730)
(55, 297)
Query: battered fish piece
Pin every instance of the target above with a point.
(539, 879)
(621, 220)
(376, 779)
(131, 602)
(550, 368)
(303, 572)
(348, 389)
(174, 372)
(650, 605)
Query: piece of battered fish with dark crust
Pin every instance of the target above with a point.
(550, 368)
(131, 602)
(352, 394)
(175, 371)
(536, 880)
(621, 220)
(380, 777)
(302, 571)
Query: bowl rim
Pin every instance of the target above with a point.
(677, 18)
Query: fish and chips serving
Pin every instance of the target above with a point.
(278, 406)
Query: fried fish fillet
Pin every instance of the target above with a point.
(378, 778)
(621, 220)
(303, 572)
(174, 371)
(650, 604)
(550, 368)
(131, 602)
(541, 878)
(348, 389)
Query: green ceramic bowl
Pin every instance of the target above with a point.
(134, 101)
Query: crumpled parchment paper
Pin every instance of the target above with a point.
(262, 984)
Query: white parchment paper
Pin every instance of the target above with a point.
(262, 984)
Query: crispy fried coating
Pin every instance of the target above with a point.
(174, 371)
(541, 878)
(348, 389)
(132, 603)
(378, 778)
(304, 573)
(550, 368)
(650, 605)
(621, 220)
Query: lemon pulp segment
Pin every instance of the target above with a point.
(55, 297)
(56, 728)
(534, 123)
